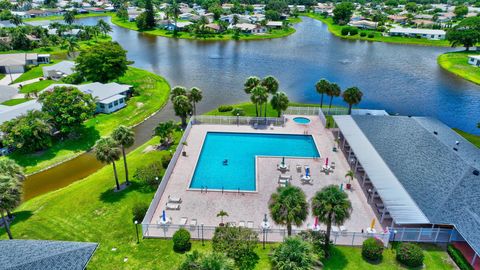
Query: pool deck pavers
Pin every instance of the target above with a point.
(251, 206)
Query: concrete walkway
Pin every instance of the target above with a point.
(17, 85)
(9, 78)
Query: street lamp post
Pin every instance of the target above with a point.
(136, 229)
(238, 119)
(203, 244)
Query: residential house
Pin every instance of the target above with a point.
(133, 13)
(16, 62)
(397, 18)
(423, 23)
(324, 8)
(186, 16)
(180, 26)
(300, 8)
(59, 71)
(424, 16)
(418, 33)
(474, 60)
(250, 28)
(274, 24)
(364, 24)
(213, 26)
(227, 6)
(259, 8)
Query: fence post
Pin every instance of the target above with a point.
(419, 235)
(353, 238)
(436, 236)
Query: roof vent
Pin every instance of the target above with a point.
(436, 133)
(455, 149)
(476, 172)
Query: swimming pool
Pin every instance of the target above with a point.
(301, 120)
(240, 149)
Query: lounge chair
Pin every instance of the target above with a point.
(299, 168)
(332, 165)
(241, 224)
(284, 177)
(250, 224)
(283, 169)
(167, 221)
(306, 180)
(172, 206)
(193, 223)
(183, 221)
(282, 181)
(231, 224)
(174, 199)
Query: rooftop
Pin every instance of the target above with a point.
(419, 31)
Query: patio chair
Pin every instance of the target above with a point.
(299, 168)
(283, 169)
(193, 223)
(250, 224)
(306, 180)
(183, 221)
(332, 165)
(174, 199)
(284, 177)
(241, 224)
(172, 206)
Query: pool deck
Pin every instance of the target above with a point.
(251, 206)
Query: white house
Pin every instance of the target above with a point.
(58, 71)
(16, 62)
(300, 8)
(418, 32)
(275, 24)
(474, 60)
(324, 7)
(250, 28)
(364, 24)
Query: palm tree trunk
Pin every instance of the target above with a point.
(125, 164)
(194, 108)
(327, 235)
(256, 109)
(7, 226)
(266, 105)
(289, 229)
(116, 176)
(321, 101)
(349, 109)
(330, 105)
(9, 214)
(184, 121)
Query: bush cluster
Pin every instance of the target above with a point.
(349, 30)
(225, 108)
(363, 34)
(181, 240)
(148, 174)
(238, 111)
(410, 255)
(371, 35)
(166, 160)
(139, 210)
(372, 249)
(458, 258)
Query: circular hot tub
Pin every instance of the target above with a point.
(301, 120)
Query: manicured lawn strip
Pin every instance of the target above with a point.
(474, 139)
(2, 76)
(277, 33)
(33, 73)
(78, 16)
(36, 86)
(16, 101)
(152, 95)
(336, 30)
(457, 63)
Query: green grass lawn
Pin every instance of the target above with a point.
(33, 73)
(457, 63)
(36, 86)
(78, 16)
(336, 30)
(2, 76)
(152, 95)
(185, 35)
(15, 101)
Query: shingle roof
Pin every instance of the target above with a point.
(45, 255)
(66, 67)
(9, 112)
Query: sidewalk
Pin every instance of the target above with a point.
(9, 78)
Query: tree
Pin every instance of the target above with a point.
(279, 102)
(272, 15)
(195, 96)
(141, 21)
(150, 14)
(210, 261)
(69, 17)
(10, 197)
(411, 7)
(177, 91)
(333, 91)
(288, 206)
(125, 137)
(342, 13)
(165, 131)
(331, 206)
(29, 132)
(238, 244)
(72, 46)
(103, 62)
(105, 28)
(322, 87)
(10, 168)
(222, 214)
(107, 151)
(122, 13)
(68, 107)
(352, 96)
(16, 20)
(460, 11)
(258, 96)
(182, 108)
(251, 83)
(466, 33)
(271, 84)
(235, 19)
(293, 253)
(174, 10)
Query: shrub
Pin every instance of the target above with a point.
(410, 255)
(74, 78)
(166, 160)
(363, 34)
(293, 253)
(353, 31)
(148, 173)
(181, 240)
(225, 108)
(345, 30)
(381, 29)
(238, 244)
(371, 35)
(458, 258)
(139, 210)
(372, 249)
(238, 111)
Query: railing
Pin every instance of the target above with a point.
(335, 111)
(202, 232)
(302, 110)
(238, 120)
(163, 184)
(428, 235)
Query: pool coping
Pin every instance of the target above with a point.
(256, 160)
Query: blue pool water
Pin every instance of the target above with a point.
(240, 150)
(301, 120)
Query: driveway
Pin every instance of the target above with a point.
(8, 79)
(7, 92)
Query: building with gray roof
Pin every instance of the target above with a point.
(422, 172)
(16, 62)
(59, 70)
(45, 255)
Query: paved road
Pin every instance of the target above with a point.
(7, 92)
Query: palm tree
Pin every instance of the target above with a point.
(195, 96)
(293, 253)
(182, 108)
(350, 174)
(235, 19)
(279, 102)
(177, 91)
(322, 87)
(174, 10)
(69, 17)
(251, 83)
(333, 91)
(105, 28)
(331, 206)
(258, 96)
(125, 137)
(271, 84)
(165, 132)
(352, 96)
(222, 214)
(11, 168)
(288, 206)
(72, 46)
(16, 20)
(107, 151)
(10, 197)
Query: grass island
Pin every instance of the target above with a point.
(457, 63)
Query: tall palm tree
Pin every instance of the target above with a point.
(352, 96)
(174, 11)
(195, 96)
(279, 102)
(177, 91)
(258, 96)
(105, 28)
(10, 197)
(107, 151)
(11, 168)
(165, 131)
(72, 46)
(333, 91)
(332, 206)
(288, 206)
(322, 88)
(182, 108)
(125, 137)
(251, 83)
(271, 84)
